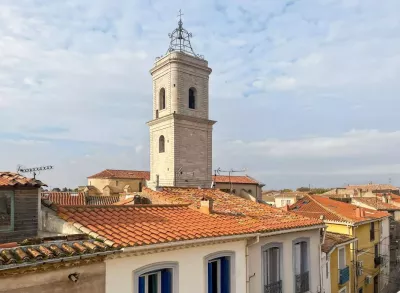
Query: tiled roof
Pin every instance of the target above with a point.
(10, 179)
(376, 203)
(122, 174)
(103, 200)
(64, 198)
(271, 219)
(371, 187)
(332, 210)
(51, 250)
(139, 225)
(333, 239)
(73, 199)
(235, 179)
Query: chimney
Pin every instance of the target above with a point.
(286, 208)
(322, 217)
(358, 212)
(384, 198)
(206, 206)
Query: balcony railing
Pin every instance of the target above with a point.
(344, 275)
(302, 283)
(275, 287)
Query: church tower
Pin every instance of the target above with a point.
(180, 132)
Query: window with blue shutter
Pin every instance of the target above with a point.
(156, 282)
(219, 275)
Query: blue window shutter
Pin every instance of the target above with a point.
(141, 284)
(166, 281)
(209, 278)
(225, 275)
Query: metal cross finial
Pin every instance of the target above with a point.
(180, 14)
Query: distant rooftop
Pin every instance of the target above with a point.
(122, 174)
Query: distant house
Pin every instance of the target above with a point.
(288, 198)
(385, 203)
(370, 227)
(243, 186)
(336, 262)
(268, 199)
(113, 182)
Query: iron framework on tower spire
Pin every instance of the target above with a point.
(180, 40)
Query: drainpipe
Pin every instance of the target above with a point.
(320, 255)
(355, 258)
(257, 239)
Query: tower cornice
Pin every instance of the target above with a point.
(180, 117)
(181, 58)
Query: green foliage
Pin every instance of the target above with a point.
(286, 190)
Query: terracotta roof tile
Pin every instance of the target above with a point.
(150, 224)
(64, 198)
(244, 210)
(10, 179)
(51, 249)
(332, 210)
(122, 174)
(78, 199)
(333, 239)
(103, 200)
(372, 187)
(376, 203)
(235, 179)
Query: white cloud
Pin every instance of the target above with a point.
(355, 143)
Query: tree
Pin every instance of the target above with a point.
(56, 189)
(64, 189)
(303, 189)
(286, 190)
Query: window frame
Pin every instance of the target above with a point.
(339, 249)
(193, 89)
(372, 231)
(161, 150)
(294, 242)
(232, 267)
(162, 99)
(264, 248)
(12, 210)
(148, 269)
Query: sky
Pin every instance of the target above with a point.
(305, 92)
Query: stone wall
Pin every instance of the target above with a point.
(91, 279)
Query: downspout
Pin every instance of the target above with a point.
(257, 240)
(355, 258)
(320, 256)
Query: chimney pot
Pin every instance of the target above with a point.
(206, 206)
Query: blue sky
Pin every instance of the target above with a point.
(304, 92)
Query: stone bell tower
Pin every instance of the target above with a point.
(180, 132)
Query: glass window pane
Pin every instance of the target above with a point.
(6, 210)
(152, 283)
(214, 276)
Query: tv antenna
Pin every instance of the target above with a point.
(34, 170)
(219, 171)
